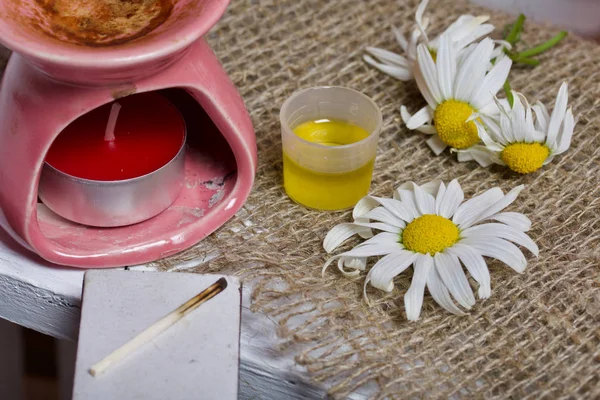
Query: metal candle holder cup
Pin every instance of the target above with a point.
(112, 203)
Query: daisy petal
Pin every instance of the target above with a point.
(468, 211)
(464, 156)
(558, 113)
(381, 214)
(439, 197)
(385, 270)
(422, 117)
(492, 108)
(517, 116)
(492, 130)
(486, 138)
(439, 292)
(474, 35)
(549, 159)
(432, 187)
(400, 38)
(429, 70)
(395, 207)
(395, 71)
(504, 232)
(564, 140)
(446, 67)
(413, 299)
(530, 135)
(542, 117)
(407, 197)
(427, 129)
(459, 28)
(454, 278)
(355, 265)
(476, 266)
(422, 24)
(436, 144)
(358, 263)
(501, 250)
(363, 206)
(500, 205)
(424, 89)
(480, 154)
(406, 116)
(379, 245)
(339, 234)
(381, 226)
(425, 201)
(384, 238)
(389, 57)
(453, 197)
(514, 219)
(492, 83)
(472, 70)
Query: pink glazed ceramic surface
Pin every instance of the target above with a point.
(34, 109)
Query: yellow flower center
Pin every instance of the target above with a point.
(450, 120)
(429, 234)
(525, 157)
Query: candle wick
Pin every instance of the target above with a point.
(109, 134)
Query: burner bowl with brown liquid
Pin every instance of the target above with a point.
(104, 41)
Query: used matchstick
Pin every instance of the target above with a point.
(158, 327)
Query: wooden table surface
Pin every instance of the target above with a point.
(47, 298)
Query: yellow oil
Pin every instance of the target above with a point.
(327, 191)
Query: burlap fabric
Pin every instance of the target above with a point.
(538, 336)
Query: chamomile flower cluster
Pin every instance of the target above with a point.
(431, 228)
(462, 32)
(460, 74)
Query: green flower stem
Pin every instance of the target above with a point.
(544, 46)
(529, 61)
(516, 30)
(509, 95)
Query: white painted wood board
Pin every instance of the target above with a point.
(197, 358)
(36, 294)
(46, 298)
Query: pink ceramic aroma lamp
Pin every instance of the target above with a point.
(64, 68)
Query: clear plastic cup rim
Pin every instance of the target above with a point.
(373, 132)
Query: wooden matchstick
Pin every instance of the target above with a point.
(158, 327)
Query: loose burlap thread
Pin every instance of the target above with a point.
(538, 336)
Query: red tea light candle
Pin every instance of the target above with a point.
(117, 165)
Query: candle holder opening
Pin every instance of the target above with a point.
(209, 177)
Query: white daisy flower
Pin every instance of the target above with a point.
(522, 139)
(431, 228)
(455, 87)
(462, 32)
